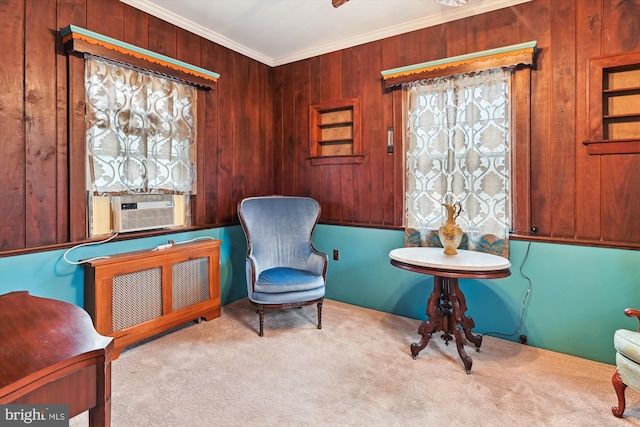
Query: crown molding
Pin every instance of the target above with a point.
(451, 14)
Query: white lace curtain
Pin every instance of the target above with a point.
(457, 146)
(140, 132)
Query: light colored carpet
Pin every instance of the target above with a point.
(356, 371)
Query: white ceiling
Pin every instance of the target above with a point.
(277, 32)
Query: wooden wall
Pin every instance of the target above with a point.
(256, 119)
(574, 197)
(38, 167)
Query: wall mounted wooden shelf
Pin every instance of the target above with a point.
(614, 104)
(334, 132)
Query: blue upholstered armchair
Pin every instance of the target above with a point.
(283, 268)
(627, 344)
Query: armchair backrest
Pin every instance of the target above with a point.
(279, 229)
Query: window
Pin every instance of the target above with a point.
(86, 212)
(468, 140)
(141, 139)
(458, 145)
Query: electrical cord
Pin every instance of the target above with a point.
(524, 299)
(173, 243)
(157, 248)
(86, 244)
(195, 239)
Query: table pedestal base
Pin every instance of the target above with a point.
(446, 307)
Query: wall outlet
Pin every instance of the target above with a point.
(336, 255)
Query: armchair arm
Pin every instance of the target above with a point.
(631, 312)
(317, 262)
(252, 272)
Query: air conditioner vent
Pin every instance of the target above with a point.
(142, 212)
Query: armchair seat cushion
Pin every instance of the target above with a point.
(287, 297)
(628, 343)
(284, 279)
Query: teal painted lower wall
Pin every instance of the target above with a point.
(47, 274)
(576, 299)
(575, 302)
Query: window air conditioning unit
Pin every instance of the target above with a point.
(142, 212)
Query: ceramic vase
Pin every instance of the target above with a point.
(450, 234)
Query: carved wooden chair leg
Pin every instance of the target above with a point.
(320, 315)
(619, 387)
(261, 315)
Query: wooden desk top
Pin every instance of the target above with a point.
(40, 336)
(464, 264)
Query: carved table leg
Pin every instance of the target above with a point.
(445, 311)
(458, 314)
(467, 323)
(619, 387)
(460, 342)
(435, 318)
(320, 315)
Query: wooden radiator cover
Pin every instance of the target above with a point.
(135, 295)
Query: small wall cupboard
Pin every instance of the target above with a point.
(334, 132)
(614, 104)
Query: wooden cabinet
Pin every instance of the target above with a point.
(614, 104)
(133, 296)
(334, 132)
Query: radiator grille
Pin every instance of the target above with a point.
(190, 281)
(137, 297)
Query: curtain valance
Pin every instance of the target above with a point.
(522, 54)
(83, 41)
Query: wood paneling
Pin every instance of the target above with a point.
(537, 27)
(619, 199)
(42, 185)
(104, 16)
(208, 157)
(136, 27)
(40, 136)
(77, 194)
(588, 213)
(570, 196)
(12, 123)
(254, 124)
(563, 113)
(70, 11)
(226, 137)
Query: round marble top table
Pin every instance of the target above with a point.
(470, 261)
(446, 305)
